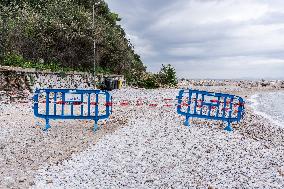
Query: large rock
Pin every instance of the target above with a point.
(264, 83)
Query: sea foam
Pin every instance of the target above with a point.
(269, 105)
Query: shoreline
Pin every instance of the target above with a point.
(75, 140)
(254, 105)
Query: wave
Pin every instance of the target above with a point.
(269, 105)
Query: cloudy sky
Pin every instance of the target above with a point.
(207, 38)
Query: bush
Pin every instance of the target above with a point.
(150, 82)
(19, 61)
(14, 60)
(167, 76)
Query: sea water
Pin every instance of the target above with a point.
(269, 105)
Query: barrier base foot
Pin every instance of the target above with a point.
(46, 127)
(96, 127)
(186, 123)
(228, 128)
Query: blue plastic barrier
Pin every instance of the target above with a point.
(72, 104)
(209, 105)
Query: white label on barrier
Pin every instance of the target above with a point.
(73, 97)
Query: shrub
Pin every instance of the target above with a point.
(13, 60)
(167, 75)
(19, 61)
(149, 82)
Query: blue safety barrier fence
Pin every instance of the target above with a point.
(52, 104)
(210, 105)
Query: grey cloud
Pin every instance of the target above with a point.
(207, 38)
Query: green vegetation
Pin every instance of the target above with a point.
(166, 77)
(58, 35)
(19, 61)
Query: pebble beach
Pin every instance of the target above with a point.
(140, 147)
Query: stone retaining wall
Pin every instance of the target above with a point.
(18, 82)
(12, 80)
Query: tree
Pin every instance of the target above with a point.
(61, 32)
(167, 75)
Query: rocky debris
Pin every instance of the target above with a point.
(282, 84)
(264, 83)
(23, 96)
(4, 98)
